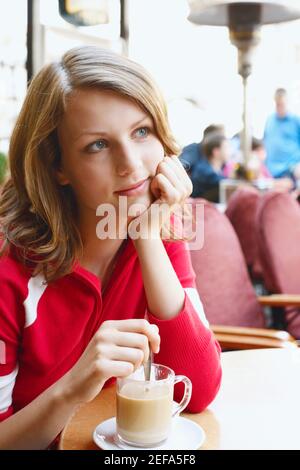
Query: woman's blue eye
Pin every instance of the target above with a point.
(142, 132)
(98, 145)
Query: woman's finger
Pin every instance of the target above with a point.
(110, 368)
(180, 172)
(168, 193)
(167, 169)
(134, 355)
(137, 325)
(132, 340)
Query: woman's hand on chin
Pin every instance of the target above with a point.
(170, 187)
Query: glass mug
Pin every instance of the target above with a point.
(145, 409)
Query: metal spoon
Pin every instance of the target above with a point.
(147, 365)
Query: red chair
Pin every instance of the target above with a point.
(225, 289)
(279, 247)
(242, 213)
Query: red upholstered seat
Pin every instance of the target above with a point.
(242, 213)
(279, 246)
(222, 280)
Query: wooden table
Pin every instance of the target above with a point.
(257, 407)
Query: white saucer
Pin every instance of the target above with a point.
(186, 435)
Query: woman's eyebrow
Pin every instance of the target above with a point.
(99, 132)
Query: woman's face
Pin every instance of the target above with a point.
(108, 144)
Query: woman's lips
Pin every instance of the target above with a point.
(134, 191)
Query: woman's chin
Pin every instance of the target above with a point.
(144, 200)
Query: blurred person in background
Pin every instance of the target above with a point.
(282, 139)
(257, 169)
(207, 173)
(192, 153)
(256, 164)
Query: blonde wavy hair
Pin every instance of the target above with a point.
(38, 217)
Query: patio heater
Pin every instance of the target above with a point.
(244, 19)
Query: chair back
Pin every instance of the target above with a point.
(242, 213)
(222, 279)
(279, 247)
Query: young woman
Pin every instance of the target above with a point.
(78, 308)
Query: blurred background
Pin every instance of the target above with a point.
(195, 66)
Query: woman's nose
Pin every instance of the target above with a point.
(128, 160)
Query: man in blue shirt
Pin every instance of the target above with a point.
(282, 139)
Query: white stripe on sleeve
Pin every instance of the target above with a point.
(7, 383)
(193, 295)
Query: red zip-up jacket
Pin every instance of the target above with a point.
(44, 329)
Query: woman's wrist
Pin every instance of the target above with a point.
(70, 391)
(142, 230)
(63, 392)
(149, 225)
(152, 240)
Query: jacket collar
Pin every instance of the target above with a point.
(91, 278)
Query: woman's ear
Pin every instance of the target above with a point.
(61, 177)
